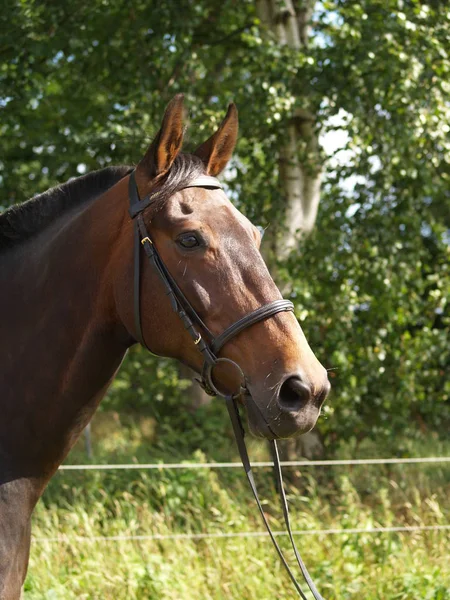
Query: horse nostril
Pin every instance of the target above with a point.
(324, 393)
(294, 394)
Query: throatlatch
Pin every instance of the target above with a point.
(210, 348)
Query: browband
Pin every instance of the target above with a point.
(205, 181)
(137, 205)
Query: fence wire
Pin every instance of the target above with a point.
(231, 465)
(239, 534)
(249, 534)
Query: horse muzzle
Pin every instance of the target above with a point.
(293, 409)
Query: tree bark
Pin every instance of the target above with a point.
(299, 165)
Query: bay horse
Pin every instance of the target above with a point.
(68, 316)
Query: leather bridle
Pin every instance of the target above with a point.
(210, 348)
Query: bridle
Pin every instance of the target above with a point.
(210, 348)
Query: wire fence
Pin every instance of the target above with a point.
(250, 534)
(231, 465)
(239, 534)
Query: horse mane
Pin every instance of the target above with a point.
(21, 222)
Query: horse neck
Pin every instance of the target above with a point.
(62, 338)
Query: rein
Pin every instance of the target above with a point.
(210, 348)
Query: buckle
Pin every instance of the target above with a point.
(205, 387)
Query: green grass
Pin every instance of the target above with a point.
(370, 566)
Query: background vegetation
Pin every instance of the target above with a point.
(77, 505)
(83, 85)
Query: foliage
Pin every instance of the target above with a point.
(385, 332)
(84, 84)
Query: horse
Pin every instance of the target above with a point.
(68, 309)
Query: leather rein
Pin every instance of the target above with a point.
(210, 348)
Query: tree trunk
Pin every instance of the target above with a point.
(299, 165)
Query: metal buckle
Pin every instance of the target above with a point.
(205, 387)
(197, 341)
(146, 239)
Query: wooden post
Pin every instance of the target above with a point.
(88, 441)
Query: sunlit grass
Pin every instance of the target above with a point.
(413, 565)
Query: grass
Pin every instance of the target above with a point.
(403, 566)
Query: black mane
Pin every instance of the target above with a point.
(22, 221)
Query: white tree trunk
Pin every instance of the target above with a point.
(299, 165)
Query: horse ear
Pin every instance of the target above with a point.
(217, 151)
(167, 144)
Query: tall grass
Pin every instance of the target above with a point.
(413, 565)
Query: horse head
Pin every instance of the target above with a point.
(212, 252)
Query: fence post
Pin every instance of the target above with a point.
(88, 441)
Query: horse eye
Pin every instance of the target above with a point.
(188, 240)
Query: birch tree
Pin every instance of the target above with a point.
(299, 162)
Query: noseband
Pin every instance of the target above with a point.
(210, 346)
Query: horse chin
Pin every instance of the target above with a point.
(285, 426)
(257, 424)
